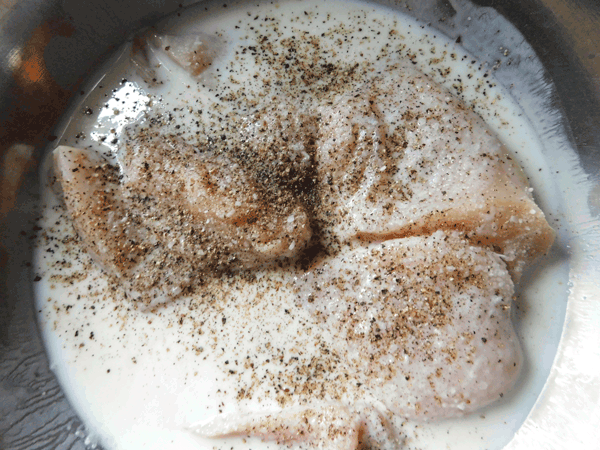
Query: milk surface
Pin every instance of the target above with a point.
(140, 379)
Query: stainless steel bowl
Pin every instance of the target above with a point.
(48, 47)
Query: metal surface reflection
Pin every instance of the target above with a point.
(48, 48)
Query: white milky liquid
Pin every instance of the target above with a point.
(139, 379)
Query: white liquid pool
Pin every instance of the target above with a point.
(138, 379)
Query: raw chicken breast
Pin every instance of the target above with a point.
(424, 321)
(194, 52)
(400, 156)
(279, 140)
(174, 216)
(329, 426)
(422, 329)
(218, 196)
(93, 196)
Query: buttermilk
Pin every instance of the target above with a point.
(264, 225)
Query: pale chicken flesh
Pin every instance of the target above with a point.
(328, 426)
(174, 216)
(430, 315)
(400, 156)
(423, 326)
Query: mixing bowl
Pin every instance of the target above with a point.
(546, 52)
